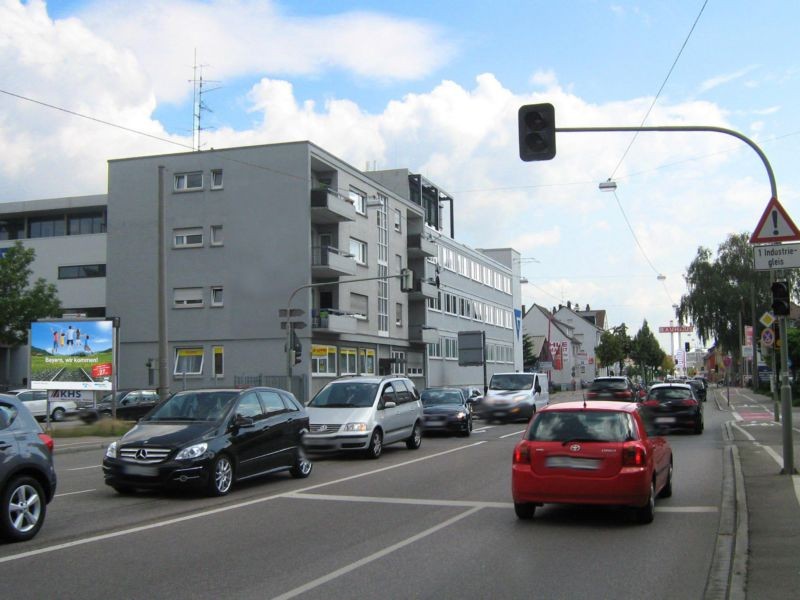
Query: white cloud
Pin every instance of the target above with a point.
(713, 82)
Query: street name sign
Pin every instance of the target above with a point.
(676, 329)
(777, 256)
(775, 225)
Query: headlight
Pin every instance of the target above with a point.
(461, 415)
(111, 451)
(520, 397)
(192, 452)
(359, 427)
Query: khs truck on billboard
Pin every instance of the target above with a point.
(71, 355)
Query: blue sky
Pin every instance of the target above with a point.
(434, 86)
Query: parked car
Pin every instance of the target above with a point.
(211, 439)
(365, 414)
(601, 453)
(27, 474)
(131, 405)
(698, 388)
(36, 402)
(515, 396)
(448, 410)
(674, 406)
(612, 388)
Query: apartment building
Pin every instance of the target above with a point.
(253, 231)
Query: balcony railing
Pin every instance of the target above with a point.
(327, 261)
(421, 246)
(329, 320)
(329, 207)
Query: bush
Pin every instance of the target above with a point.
(101, 428)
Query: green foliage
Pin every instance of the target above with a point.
(528, 357)
(611, 349)
(20, 302)
(646, 351)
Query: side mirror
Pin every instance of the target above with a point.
(389, 404)
(240, 421)
(538, 389)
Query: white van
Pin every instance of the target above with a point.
(515, 396)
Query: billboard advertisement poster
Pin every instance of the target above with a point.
(71, 355)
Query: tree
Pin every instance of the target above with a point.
(528, 357)
(610, 350)
(722, 292)
(646, 351)
(20, 302)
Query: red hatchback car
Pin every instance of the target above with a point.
(591, 453)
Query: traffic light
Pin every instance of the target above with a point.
(537, 132)
(297, 349)
(406, 280)
(686, 346)
(780, 298)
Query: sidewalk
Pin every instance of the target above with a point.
(766, 563)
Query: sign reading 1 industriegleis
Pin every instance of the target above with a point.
(778, 256)
(71, 355)
(775, 225)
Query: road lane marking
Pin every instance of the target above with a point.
(73, 493)
(412, 501)
(520, 432)
(82, 468)
(372, 557)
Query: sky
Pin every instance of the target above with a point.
(435, 87)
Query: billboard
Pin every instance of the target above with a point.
(71, 355)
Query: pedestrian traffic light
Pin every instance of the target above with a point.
(537, 132)
(297, 349)
(686, 346)
(780, 298)
(406, 280)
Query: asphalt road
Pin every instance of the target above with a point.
(433, 523)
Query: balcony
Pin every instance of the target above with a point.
(422, 334)
(327, 261)
(333, 322)
(422, 290)
(421, 246)
(328, 207)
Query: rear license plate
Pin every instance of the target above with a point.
(571, 462)
(139, 470)
(664, 419)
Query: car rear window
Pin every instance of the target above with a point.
(608, 384)
(669, 394)
(587, 425)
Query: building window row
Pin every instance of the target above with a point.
(57, 225)
(193, 237)
(193, 181)
(472, 269)
(475, 310)
(332, 360)
(81, 271)
(495, 353)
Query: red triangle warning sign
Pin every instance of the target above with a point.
(775, 225)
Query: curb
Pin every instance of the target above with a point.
(728, 572)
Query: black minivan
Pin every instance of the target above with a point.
(209, 439)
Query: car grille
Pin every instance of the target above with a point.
(324, 427)
(144, 456)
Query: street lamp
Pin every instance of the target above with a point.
(608, 186)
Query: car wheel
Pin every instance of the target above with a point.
(23, 509)
(524, 510)
(415, 441)
(302, 466)
(221, 476)
(698, 428)
(666, 491)
(467, 429)
(646, 513)
(57, 414)
(375, 445)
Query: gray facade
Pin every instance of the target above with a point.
(69, 238)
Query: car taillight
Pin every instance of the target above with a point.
(650, 403)
(48, 441)
(689, 402)
(623, 394)
(522, 453)
(633, 455)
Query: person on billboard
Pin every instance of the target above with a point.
(86, 347)
(55, 340)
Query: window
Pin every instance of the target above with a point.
(187, 297)
(216, 235)
(188, 238)
(348, 361)
(450, 348)
(216, 179)
(216, 296)
(435, 303)
(188, 181)
(447, 258)
(366, 361)
(398, 220)
(86, 223)
(465, 307)
(478, 310)
(250, 407)
(359, 306)
(81, 271)
(435, 350)
(12, 229)
(383, 267)
(450, 304)
(359, 250)
(359, 200)
(46, 227)
(398, 362)
(398, 314)
(476, 271)
(219, 360)
(323, 360)
(188, 361)
(271, 401)
(398, 259)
